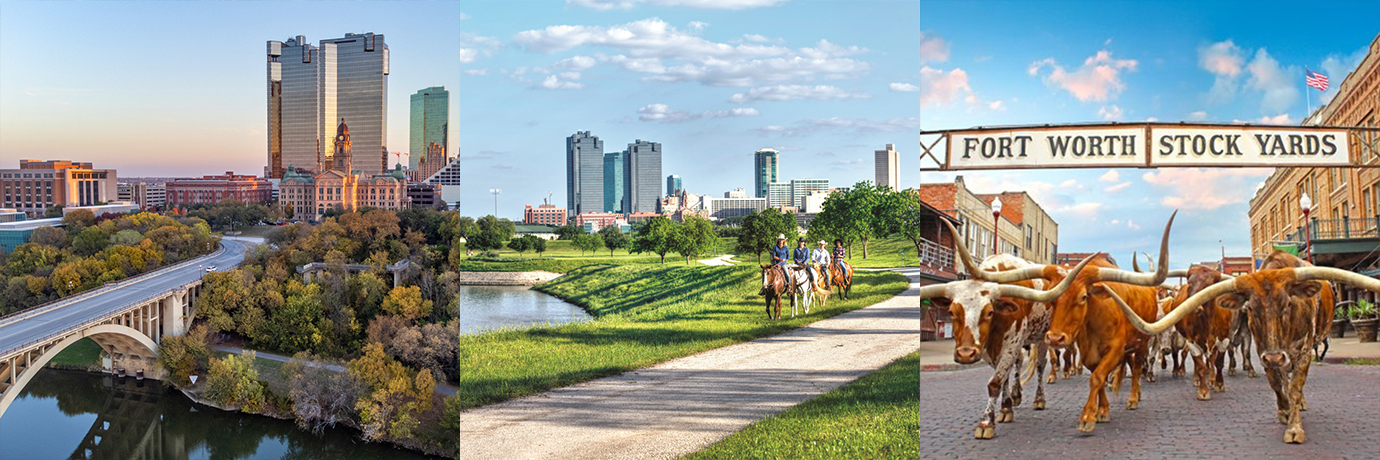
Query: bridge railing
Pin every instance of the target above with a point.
(103, 316)
(48, 306)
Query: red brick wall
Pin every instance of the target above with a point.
(941, 196)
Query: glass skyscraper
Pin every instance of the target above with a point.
(613, 181)
(642, 177)
(673, 186)
(584, 173)
(765, 166)
(311, 89)
(428, 124)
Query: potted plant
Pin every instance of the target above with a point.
(1364, 318)
(1339, 315)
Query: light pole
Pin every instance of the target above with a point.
(996, 221)
(1306, 204)
(495, 192)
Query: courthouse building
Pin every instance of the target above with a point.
(339, 185)
(1345, 211)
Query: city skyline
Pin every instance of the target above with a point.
(204, 111)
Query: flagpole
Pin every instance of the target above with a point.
(1308, 95)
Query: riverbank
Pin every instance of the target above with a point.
(644, 315)
(529, 278)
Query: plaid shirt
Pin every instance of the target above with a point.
(838, 253)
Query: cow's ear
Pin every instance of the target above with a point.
(1004, 306)
(1305, 288)
(1232, 301)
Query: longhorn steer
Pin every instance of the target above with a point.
(1289, 306)
(1085, 315)
(1207, 330)
(993, 322)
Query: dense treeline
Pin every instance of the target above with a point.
(862, 214)
(86, 252)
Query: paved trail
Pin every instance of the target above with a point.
(686, 404)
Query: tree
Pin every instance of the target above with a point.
(129, 237)
(78, 220)
(89, 242)
(51, 236)
(589, 242)
(569, 232)
(52, 212)
(693, 237)
(433, 346)
(493, 233)
(457, 227)
(752, 236)
(407, 302)
(614, 238)
(538, 244)
(520, 245)
(185, 355)
(233, 380)
(390, 390)
(849, 216)
(657, 236)
(320, 396)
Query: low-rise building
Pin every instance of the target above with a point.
(546, 214)
(213, 189)
(545, 232)
(12, 215)
(723, 208)
(13, 234)
(118, 207)
(639, 217)
(147, 196)
(424, 195)
(1024, 229)
(599, 219)
(37, 185)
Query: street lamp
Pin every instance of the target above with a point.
(1306, 204)
(495, 192)
(996, 221)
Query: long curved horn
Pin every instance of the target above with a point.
(1135, 261)
(1034, 295)
(963, 255)
(1144, 279)
(933, 290)
(1180, 311)
(1338, 275)
(1009, 276)
(1178, 273)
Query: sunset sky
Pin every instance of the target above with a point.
(1014, 63)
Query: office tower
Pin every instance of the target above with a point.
(888, 167)
(642, 177)
(765, 165)
(293, 113)
(801, 188)
(673, 186)
(428, 127)
(312, 89)
(613, 181)
(584, 173)
(779, 194)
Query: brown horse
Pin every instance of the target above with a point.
(775, 286)
(841, 279)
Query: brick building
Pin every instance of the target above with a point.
(36, 185)
(546, 214)
(1024, 230)
(600, 219)
(212, 189)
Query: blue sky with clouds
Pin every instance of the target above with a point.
(179, 88)
(824, 82)
(1010, 63)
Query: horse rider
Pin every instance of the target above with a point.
(838, 257)
(780, 256)
(801, 257)
(819, 258)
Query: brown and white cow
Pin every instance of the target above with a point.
(1085, 315)
(993, 322)
(1207, 330)
(1289, 305)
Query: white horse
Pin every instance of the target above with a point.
(800, 282)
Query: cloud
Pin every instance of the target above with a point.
(904, 87)
(847, 162)
(1225, 61)
(1117, 187)
(1337, 67)
(1083, 211)
(657, 49)
(575, 63)
(1204, 189)
(1273, 81)
(605, 5)
(933, 49)
(795, 92)
(464, 16)
(472, 46)
(1068, 183)
(1199, 115)
(1109, 113)
(561, 81)
(1281, 119)
(1110, 176)
(1098, 80)
(826, 154)
(938, 87)
(663, 113)
(996, 106)
(698, 25)
(476, 72)
(844, 125)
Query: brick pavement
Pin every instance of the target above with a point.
(1342, 420)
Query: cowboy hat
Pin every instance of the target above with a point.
(822, 242)
(781, 236)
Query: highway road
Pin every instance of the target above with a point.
(25, 327)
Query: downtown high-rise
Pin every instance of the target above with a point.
(888, 167)
(429, 122)
(584, 173)
(312, 89)
(765, 166)
(673, 185)
(642, 177)
(613, 181)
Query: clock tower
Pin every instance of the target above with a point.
(342, 161)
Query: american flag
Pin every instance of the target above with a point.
(1315, 79)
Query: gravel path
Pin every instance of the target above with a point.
(686, 404)
(721, 260)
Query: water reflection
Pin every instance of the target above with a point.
(80, 415)
(491, 307)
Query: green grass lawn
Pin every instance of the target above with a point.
(645, 315)
(83, 353)
(876, 416)
(561, 257)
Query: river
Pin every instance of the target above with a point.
(491, 307)
(74, 414)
